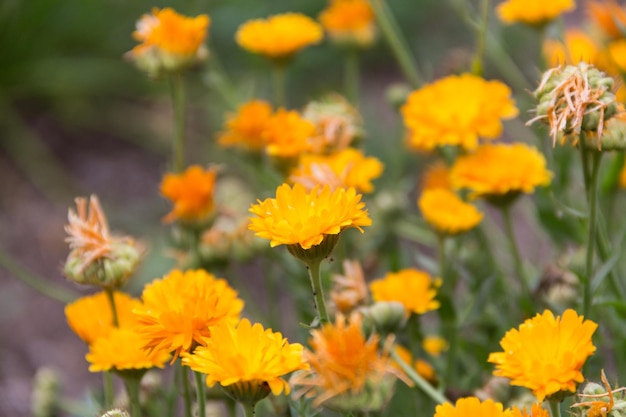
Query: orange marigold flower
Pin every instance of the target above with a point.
(121, 350)
(178, 309)
(349, 22)
(498, 170)
(447, 213)
(536, 411)
(578, 46)
(91, 317)
(346, 168)
(609, 15)
(413, 288)
(434, 345)
(245, 128)
(246, 353)
(191, 192)
(349, 290)
(457, 110)
(533, 12)
(287, 134)
(616, 50)
(472, 406)
(436, 175)
(300, 217)
(279, 36)
(551, 366)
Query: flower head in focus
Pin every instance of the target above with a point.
(178, 310)
(349, 22)
(245, 128)
(533, 12)
(472, 406)
(457, 111)
(555, 364)
(192, 194)
(447, 213)
(349, 290)
(280, 36)
(413, 288)
(236, 356)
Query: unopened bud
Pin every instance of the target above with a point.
(385, 317)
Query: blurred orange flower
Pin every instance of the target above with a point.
(287, 134)
(349, 22)
(447, 213)
(577, 46)
(245, 128)
(608, 15)
(191, 192)
(349, 290)
(413, 288)
(533, 12)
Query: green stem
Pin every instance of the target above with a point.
(186, 390)
(592, 196)
(178, 101)
(555, 408)
(279, 73)
(249, 410)
(132, 389)
(397, 43)
(108, 389)
(200, 393)
(420, 382)
(447, 310)
(111, 297)
(351, 75)
(318, 292)
(481, 35)
(172, 395)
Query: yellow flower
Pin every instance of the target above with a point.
(343, 362)
(300, 217)
(434, 345)
(471, 406)
(533, 12)
(447, 213)
(122, 349)
(346, 168)
(246, 353)
(191, 192)
(245, 129)
(279, 36)
(413, 288)
(536, 411)
(287, 134)
(616, 50)
(436, 175)
(457, 110)
(578, 46)
(91, 317)
(349, 290)
(499, 170)
(553, 365)
(609, 15)
(178, 309)
(349, 22)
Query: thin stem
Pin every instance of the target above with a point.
(279, 73)
(107, 378)
(447, 311)
(555, 408)
(318, 292)
(178, 101)
(420, 382)
(517, 258)
(351, 75)
(132, 389)
(592, 196)
(111, 297)
(172, 396)
(186, 390)
(481, 35)
(200, 394)
(249, 410)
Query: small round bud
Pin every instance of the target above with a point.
(384, 317)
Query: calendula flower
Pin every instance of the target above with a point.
(192, 194)
(169, 41)
(577, 46)
(616, 50)
(349, 290)
(447, 213)
(300, 217)
(536, 410)
(434, 345)
(346, 368)
(436, 175)
(472, 406)
(533, 12)
(500, 171)
(346, 168)
(413, 288)
(91, 317)
(279, 36)
(245, 128)
(178, 309)
(337, 123)
(287, 134)
(121, 350)
(97, 257)
(555, 364)
(238, 355)
(349, 22)
(457, 110)
(608, 15)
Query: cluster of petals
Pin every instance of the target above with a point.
(349, 21)
(349, 290)
(447, 213)
(415, 289)
(299, 216)
(287, 134)
(553, 365)
(191, 192)
(246, 353)
(608, 15)
(533, 12)
(178, 309)
(279, 36)
(457, 111)
(245, 128)
(472, 406)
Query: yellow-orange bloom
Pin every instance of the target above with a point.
(536, 411)
(533, 12)
(246, 353)
(609, 15)
(122, 349)
(298, 216)
(178, 309)
(287, 134)
(457, 110)
(616, 50)
(191, 192)
(553, 365)
(434, 345)
(447, 213)
(578, 46)
(436, 175)
(411, 287)
(91, 317)
(279, 36)
(245, 128)
(472, 406)
(498, 170)
(349, 290)
(346, 168)
(349, 22)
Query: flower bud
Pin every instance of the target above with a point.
(116, 412)
(384, 317)
(45, 395)
(374, 396)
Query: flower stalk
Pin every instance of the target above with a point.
(481, 36)
(132, 386)
(279, 77)
(177, 88)
(200, 393)
(555, 408)
(420, 382)
(351, 75)
(592, 199)
(313, 267)
(249, 410)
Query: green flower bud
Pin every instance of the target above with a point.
(373, 397)
(384, 317)
(46, 392)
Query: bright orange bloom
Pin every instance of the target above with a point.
(536, 411)
(349, 22)
(279, 36)
(178, 309)
(553, 365)
(191, 192)
(287, 134)
(578, 46)
(245, 128)
(298, 216)
(609, 15)
(457, 110)
(472, 406)
(436, 175)
(349, 290)
(413, 288)
(533, 12)
(447, 213)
